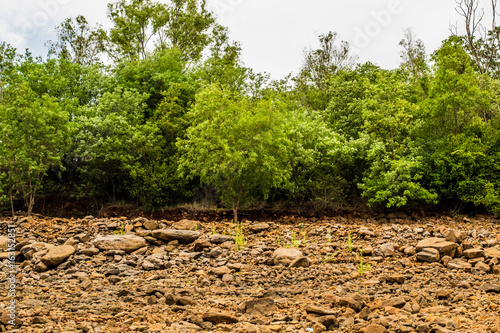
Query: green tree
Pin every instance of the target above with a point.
(394, 176)
(33, 133)
(78, 42)
(239, 146)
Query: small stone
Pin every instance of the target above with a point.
(444, 247)
(353, 301)
(473, 253)
(428, 255)
(260, 306)
(319, 310)
(455, 236)
(182, 236)
(219, 317)
(374, 328)
(259, 227)
(459, 264)
(490, 288)
(284, 256)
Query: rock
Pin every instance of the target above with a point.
(492, 252)
(201, 244)
(319, 310)
(395, 302)
(220, 271)
(428, 255)
(396, 278)
(29, 250)
(455, 236)
(182, 236)
(300, 262)
(248, 328)
(40, 267)
(184, 326)
(385, 250)
(353, 301)
(490, 288)
(330, 322)
(260, 306)
(151, 225)
(284, 256)
(127, 243)
(481, 266)
(374, 328)
(444, 247)
(365, 232)
(459, 264)
(57, 255)
(220, 317)
(187, 225)
(473, 253)
(4, 243)
(219, 239)
(259, 227)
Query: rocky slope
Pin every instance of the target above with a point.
(409, 274)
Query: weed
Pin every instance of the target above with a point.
(294, 242)
(278, 240)
(363, 268)
(213, 228)
(239, 237)
(349, 243)
(304, 234)
(329, 236)
(121, 231)
(331, 257)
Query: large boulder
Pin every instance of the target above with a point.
(127, 243)
(284, 256)
(444, 247)
(182, 236)
(57, 255)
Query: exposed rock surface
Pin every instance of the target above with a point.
(396, 274)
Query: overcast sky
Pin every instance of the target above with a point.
(273, 33)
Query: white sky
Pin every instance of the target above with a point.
(273, 33)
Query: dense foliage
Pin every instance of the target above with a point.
(160, 110)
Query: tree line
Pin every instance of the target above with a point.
(160, 110)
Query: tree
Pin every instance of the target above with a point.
(137, 24)
(239, 146)
(413, 55)
(394, 177)
(186, 25)
(7, 65)
(78, 42)
(319, 66)
(112, 138)
(481, 43)
(33, 133)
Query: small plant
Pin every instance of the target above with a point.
(304, 234)
(239, 237)
(121, 231)
(294, 242)
(278, 240)
(331, 257)
(213, 228)
(329, 236)
(363, 268)
(349, 243)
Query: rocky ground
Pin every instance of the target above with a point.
(344, 274)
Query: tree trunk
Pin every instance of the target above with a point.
(11, 197)
(236, 205)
